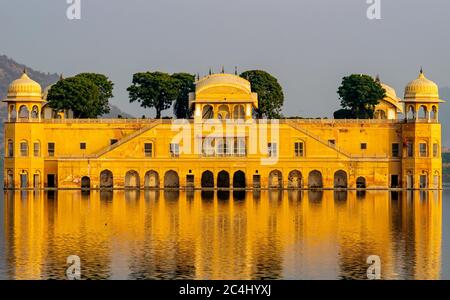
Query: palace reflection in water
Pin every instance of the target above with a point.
(221, 235)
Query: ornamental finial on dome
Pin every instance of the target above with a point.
(422, 89)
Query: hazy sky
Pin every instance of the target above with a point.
(309, 45)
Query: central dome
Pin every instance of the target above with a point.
(215, 82)
(25, 88)
(422, 89)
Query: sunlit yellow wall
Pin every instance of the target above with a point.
(70, 163)
(329, 145)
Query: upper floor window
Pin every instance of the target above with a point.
(423, 151)
(222, 148)
(113, 141)
(299, 149)
(395, 150)
(51, 149)
(10, 148)
(82, 146)
(36, 149)
(239, 147)
(409, 149)
(174, 150)
(332, 142)
(23, 149)
(272, 149)
(148, 149)
(435, 150)
(208, 146)
(363, 146)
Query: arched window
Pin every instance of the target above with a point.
(423, 149)
(37, 149)
(23, 112)
(423, 112)
(10, 148)
(35, 112)
(208, 112)
(23, 148)
(12, 112)
(434, 113)
(410, 115)
(380, 114)
(10, 179)
(435, 149)
(224, 112)
(239, 112)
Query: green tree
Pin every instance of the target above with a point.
(359, 94)
(78, 94)
(154, 90)
(104, 85)
(86, 94)
(185, 86)
(270, 93)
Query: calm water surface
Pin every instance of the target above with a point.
(221, 235)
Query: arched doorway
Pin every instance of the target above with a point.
(275, 179)
(295, 180)
(340, 180)
(223, 179)
(151, 179)
(37, 180)
(85, 182)
(171, 179)
(239, 180)
(106, 179)
(207, 179)
(315, 180)
(360, 183)
(24, 180)
(132, 179)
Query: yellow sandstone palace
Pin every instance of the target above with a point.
(223, 146)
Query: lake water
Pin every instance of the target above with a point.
(225, 235)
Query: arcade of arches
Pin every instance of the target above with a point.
(224, 179)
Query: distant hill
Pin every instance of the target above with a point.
(11, 70)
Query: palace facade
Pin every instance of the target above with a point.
(223, 146)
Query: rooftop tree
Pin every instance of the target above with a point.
(154, 90)
(359, 94)
(86, 94)
(185, 86)
(270, 93)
